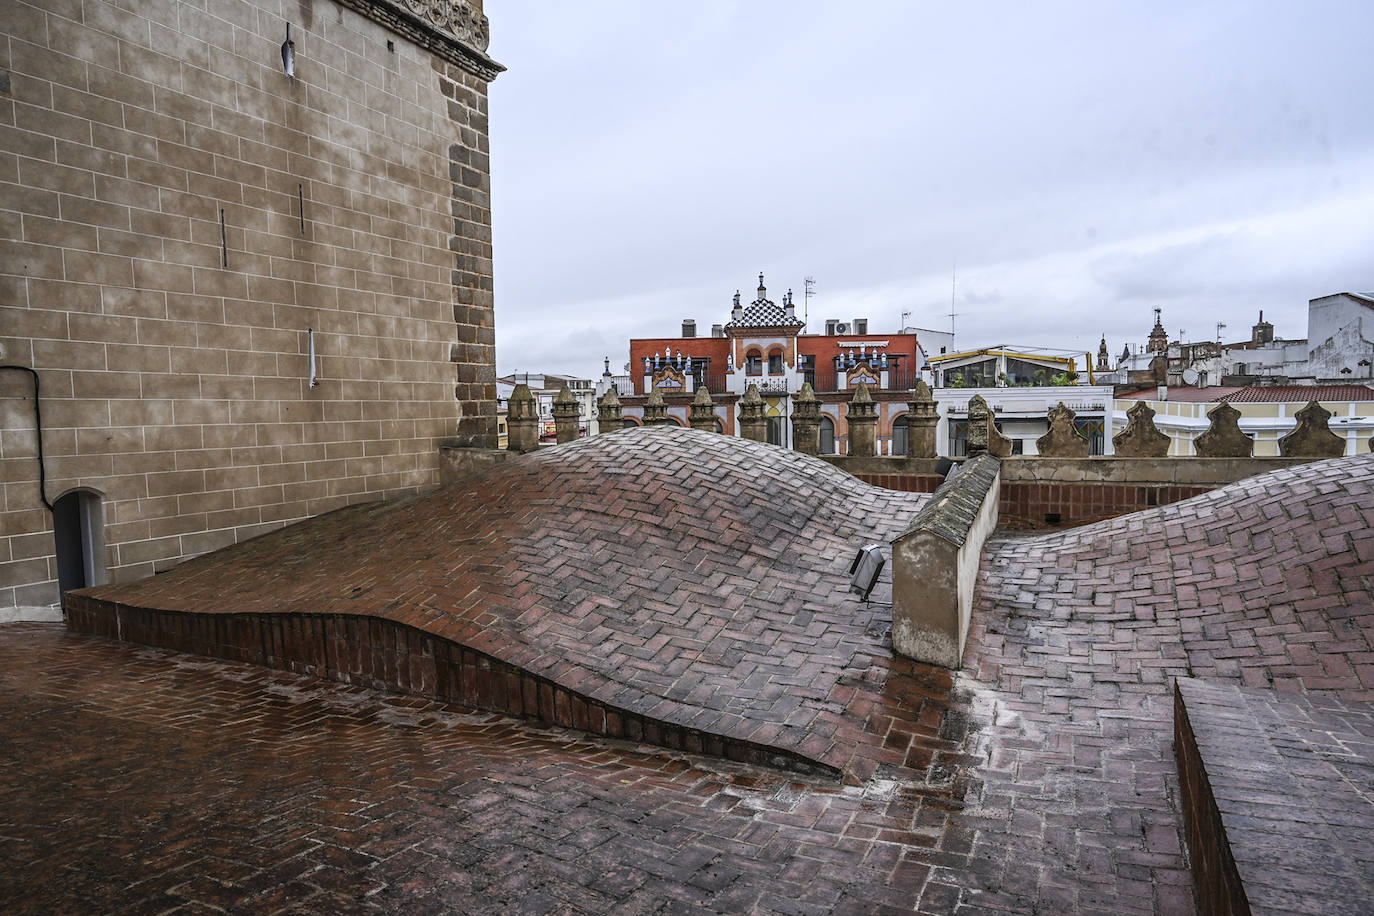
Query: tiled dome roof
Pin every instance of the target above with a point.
(764, 312)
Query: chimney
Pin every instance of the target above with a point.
(689, 327)
(737, 310)
(717, 330)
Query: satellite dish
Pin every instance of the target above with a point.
(1190, 376)
(841, 328)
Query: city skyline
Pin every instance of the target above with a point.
(1073, 169)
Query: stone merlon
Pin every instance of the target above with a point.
(935, 564)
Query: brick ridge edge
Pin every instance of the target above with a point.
(955, 504)
(447, 670)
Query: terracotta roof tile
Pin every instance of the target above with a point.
(1256, 394)
(1271, 394)
(1185, 395)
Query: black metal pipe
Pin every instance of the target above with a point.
(38, 427)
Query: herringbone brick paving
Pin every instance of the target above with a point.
(1289, 780)
(1053, 789)
(1077, 637)
(693, 578)
(139, 780)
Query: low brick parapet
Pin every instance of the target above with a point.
(1276, 797)
(1038, 492)
(935, 565)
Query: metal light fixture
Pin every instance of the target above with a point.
(288, 53)
(864, 570)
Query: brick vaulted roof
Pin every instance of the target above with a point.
(1039, 778)
(695, 578)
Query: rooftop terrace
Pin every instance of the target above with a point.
(692, 586)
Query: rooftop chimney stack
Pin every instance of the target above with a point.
(689, 327)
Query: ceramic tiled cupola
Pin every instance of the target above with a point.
(763, 313)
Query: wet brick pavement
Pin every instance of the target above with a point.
(138, 779)
(694, 579)
(1290, 779)
(1077, 637)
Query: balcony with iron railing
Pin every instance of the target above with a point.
(712, 380)
(962, 408)
(826, 378)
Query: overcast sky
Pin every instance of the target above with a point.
(1076, 164)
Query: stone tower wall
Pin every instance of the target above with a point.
(172, 344)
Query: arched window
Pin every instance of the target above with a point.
(899, 440)
(827, 444)
(753, 363)
(775, 366)
(78, 529)
(774, 431)
(720, 427)
(628, 422)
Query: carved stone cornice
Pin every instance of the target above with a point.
(450, 29)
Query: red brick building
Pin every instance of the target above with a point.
(764, 343)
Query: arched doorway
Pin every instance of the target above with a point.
(78, 529)
(827, 443)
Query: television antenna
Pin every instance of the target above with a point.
(953, 282)
(809, 291)
(1220, 326)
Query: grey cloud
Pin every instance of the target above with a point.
(1082, 162)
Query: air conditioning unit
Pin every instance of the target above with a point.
(841, 328)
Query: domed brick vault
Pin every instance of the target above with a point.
(659, 583)
(691, 590)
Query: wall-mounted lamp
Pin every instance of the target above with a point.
(288, 53)
(864, 570)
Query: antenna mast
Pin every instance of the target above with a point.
(809, 291)
(953, 280)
